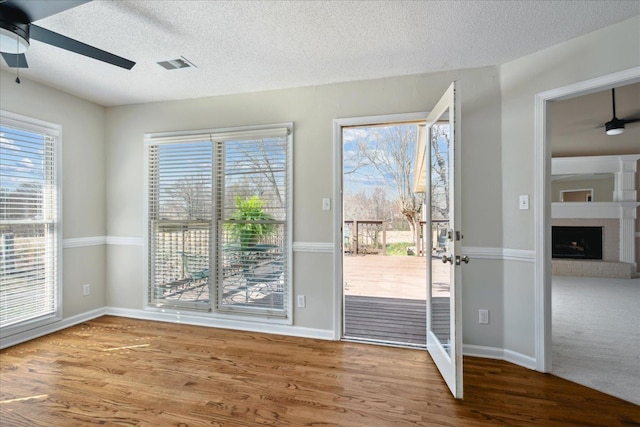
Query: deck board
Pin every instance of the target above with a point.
(395, 320)
(385, 299)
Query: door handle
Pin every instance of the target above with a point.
(464, 259)
(446, 259)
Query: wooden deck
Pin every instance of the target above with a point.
(394, 320)
(393, 276)
(385, 299)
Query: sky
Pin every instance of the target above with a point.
(21, 158)
(359, 174)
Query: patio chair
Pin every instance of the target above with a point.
(264, 276)
(195, 275)
(196, 267)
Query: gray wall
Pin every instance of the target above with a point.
(602, 188)
(577, 60)
(84, 204)
(313, 109)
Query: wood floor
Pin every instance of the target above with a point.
(124, 372)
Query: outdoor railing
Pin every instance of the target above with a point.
(247, 274)
(365, 236)
(370, 237)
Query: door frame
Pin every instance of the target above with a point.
(542, 191)
(338, 125)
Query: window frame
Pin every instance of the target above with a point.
(217, 134)
(30, 124)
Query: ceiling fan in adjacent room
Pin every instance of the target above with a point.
(616, 126)
(17, 29)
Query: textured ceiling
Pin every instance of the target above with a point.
(246, 46)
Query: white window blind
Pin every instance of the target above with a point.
(180, 214)
(219, 203)
(29, 221)
(251, 213)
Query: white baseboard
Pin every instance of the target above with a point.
(296, 331)
(499, 354)
(50, 328)
(520, 359)
(483, 351)
(190, 319)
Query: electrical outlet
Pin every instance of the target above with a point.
(302, 301)
(483, 316)
(86, 289)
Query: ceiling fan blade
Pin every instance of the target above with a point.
(631, 120)
(15, 60)
(36, 10)
(64, 42)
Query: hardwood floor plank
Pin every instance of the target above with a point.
(125, 372)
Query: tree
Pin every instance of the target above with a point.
(440, 171)
(266, 158)
(23, 202)
(389, 150)
(365, 206)
(190, 197)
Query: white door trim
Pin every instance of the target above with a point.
(543, 196)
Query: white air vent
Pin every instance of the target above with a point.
(174, 64)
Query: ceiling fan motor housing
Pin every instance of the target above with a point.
(14, 30)
(615, 126)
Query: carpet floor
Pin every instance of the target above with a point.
(596, 334)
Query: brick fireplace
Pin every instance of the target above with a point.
(613, 213)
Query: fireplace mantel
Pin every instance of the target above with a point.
(593, 210)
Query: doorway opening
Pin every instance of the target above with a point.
(543, 270)
(593, 252)
(383, 235)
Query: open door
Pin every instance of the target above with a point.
(438, 175)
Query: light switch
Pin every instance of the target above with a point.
(326, 204)
(524, 202)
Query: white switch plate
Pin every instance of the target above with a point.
(483, 316)
(86, 290)
(302, 303)
(524, 202)
(326, 204)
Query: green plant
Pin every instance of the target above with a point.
(249, 223)
(398, 249)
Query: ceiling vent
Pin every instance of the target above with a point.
(174, 64)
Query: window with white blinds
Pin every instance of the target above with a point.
(219, 221)
(180, 214)
(29, 218)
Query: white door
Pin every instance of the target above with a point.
(441, 182)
